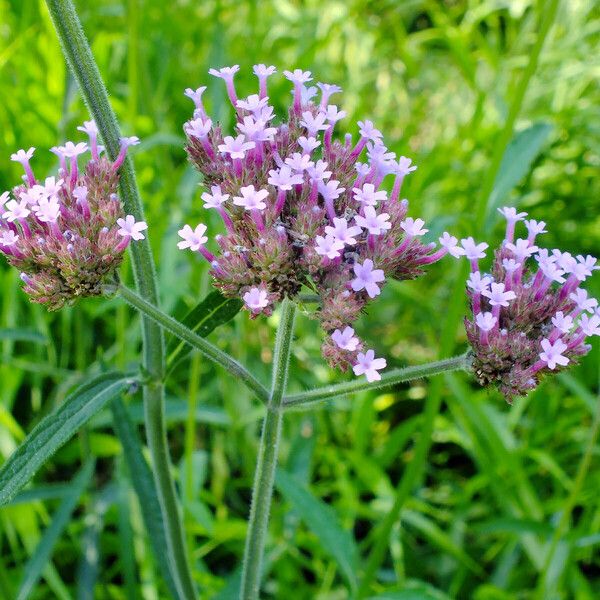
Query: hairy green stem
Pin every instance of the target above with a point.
(187, 335)
(388, 379)
(79, 57)
(266, 465)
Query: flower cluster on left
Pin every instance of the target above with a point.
(67, 234)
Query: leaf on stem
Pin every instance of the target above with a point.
(55, 429)
(215, 310)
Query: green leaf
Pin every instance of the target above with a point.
(23, 335)
(55, 429)
(35, 565)
(322, 520)
(143, 483)
(516, 162)
(90, 553)
(213, 311)
(413, 589)
(440, 538)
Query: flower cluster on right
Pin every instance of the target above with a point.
(530, 314)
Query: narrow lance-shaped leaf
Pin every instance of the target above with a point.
(516, 162)
(55, 429)
(39, 559)
(143, 483)
(323, 522)
(215, 310)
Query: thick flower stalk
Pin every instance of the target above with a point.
(531, 316)
(67, 233)
(302, 208)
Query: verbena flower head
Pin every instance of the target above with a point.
(303, 208)
(531, 316)
(66, 233)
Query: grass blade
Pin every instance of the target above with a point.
(143, 483)
(55, 429)
(516, 162)
(34, 567)
(322, 520)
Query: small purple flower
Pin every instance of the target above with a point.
(193, 239)
(215, 198)
(333, 115)
(256, 299)
(368, 196)
(369, 366)
(298, 76)
(367, 278)
(8, 237)
(199, 127)
(562, 322)
(521, 249)
(308, 144)
(236, 147)
(251, 199)
(72, 150)
(479, 283)
(299, 162)
(196, 96)
(346, 340)
(328, 246)
(404, 166)
(497, 295)
(16, 210)
(47, 210)
(367, 130)
(284, 179)
(129, 227)
(486, 321)
(375, 224)
(473, 250)
(552, 353)
(319, 172)
(327, 90)
(590, 325)
(583, 302)
(450, 243)
(253, 103)
(414, 227)
(314, 123)
(225, 72)
(342, 232)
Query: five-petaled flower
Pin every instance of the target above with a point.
(256, 299)
(346, 340)
(193, 239)
(369, 366)
(552, 353)
(367, 278)
(129, 227)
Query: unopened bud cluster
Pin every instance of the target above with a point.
(530, 314)
(67, 233)
(300, 209)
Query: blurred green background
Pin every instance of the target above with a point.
(505, 501)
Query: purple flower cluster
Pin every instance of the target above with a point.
(300, 209)
(67, 233)
(530, 315)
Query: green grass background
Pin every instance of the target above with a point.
(505, 505)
